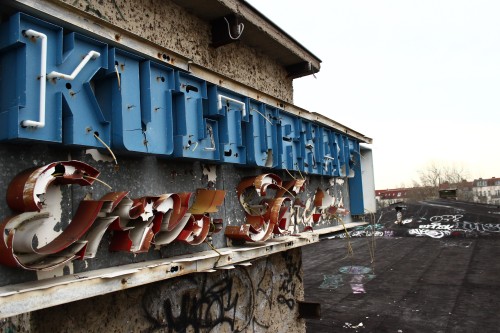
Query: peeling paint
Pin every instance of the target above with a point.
(98, 156)
(33, 240)
(57, 271)
(210, 172)
(273, 208)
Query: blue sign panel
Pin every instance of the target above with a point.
(310, 147)
(135, 95)
(231, 110)
(195, 134)
(355, 180)
(261, 135)
(328, 151)
(341, 170)
(157, 83)
(62, 87)
(46, 92)
(289, 155)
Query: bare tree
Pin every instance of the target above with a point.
(455, 174)
(433, 175)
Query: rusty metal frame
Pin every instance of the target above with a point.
(163, 219)
(135, 223)
(24, 195)
(24, 190)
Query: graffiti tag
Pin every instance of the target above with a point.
(429, 232)
(436, 226)
(480, 227)
(446, 218)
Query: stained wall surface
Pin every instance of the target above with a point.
(172, 27)
(258, 298)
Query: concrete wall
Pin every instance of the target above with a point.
(368, 180)
(258, 298)
(170, 26)
(16, 324)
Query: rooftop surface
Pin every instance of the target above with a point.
(436, 272)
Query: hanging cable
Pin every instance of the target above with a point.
(241, 27)
(263, 116)
(108, 148)
(350, 251)
(371, 243)
(213, 248)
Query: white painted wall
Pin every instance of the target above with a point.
(368, 177)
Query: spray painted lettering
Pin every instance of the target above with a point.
(446, 218)
(356, 276)
(439, 230)
(479, 227)
(436, 225)
(376, 230)
(237, 300)
(429, 232)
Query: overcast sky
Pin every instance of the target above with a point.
(422, 78)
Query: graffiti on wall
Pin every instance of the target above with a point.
(228, 300)
(290, 279)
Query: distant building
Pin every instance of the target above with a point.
(486, 190)
(450, 193)
(458, 191)
(392, 196)
(480, 190)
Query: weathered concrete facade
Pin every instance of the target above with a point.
(258, 298)
(172, 27)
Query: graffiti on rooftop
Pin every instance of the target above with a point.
(354, 276)
(417, 225)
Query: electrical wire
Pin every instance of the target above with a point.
(241, 27)
(263, 115)
(107, 147)
(98, 180)
(372, 242)
(213, 248)
(350, 251)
